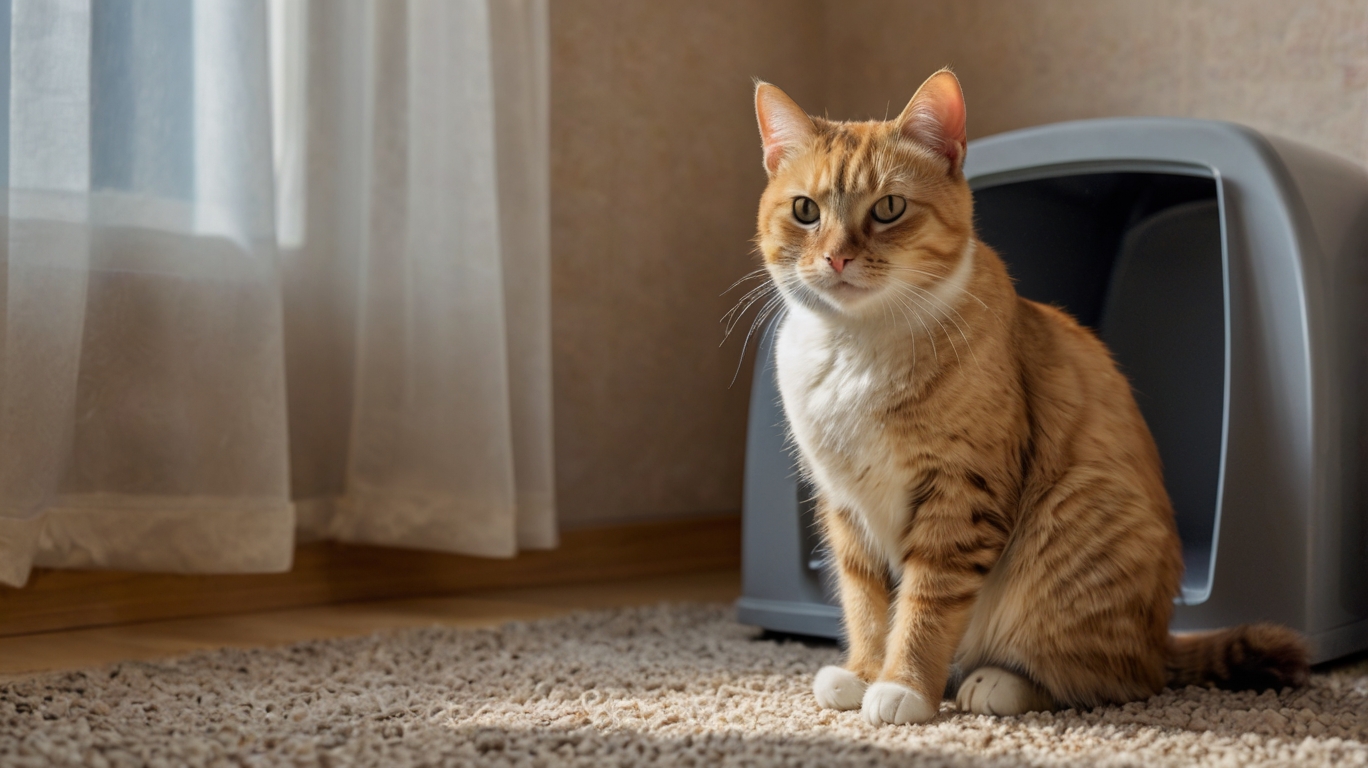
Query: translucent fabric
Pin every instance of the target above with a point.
(417, 308)
(266, 261)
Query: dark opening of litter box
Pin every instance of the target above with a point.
(1137, 257)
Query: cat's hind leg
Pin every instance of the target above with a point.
(1039, 609)
(995, 691)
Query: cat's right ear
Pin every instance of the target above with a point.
(783, 124)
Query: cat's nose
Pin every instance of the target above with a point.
(838, 262)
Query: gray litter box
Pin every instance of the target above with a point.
(1228, 272)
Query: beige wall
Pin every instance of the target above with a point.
(656, 172)
(1298, 68)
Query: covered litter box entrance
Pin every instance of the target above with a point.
(1138, 257)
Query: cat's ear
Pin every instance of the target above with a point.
(783, 124)
(935, 117)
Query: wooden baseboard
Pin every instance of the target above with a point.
(326, 573)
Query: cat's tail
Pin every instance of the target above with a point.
(1247, 657)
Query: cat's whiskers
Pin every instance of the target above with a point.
(746, 296)
(902, 284)
(760, 317)
(769, 306)
(751, 275)
(734, 315)
(736, 319)
(899, 288)
(905, 268)
(905, 306)
(921, 305)
(888, 317)
(935, 276)
(774, 324)
(912, 334)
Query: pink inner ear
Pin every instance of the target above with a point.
(774, 152)
(782, 123)
(936, 117)
(953, 134)
(775, 133)
(772, 134)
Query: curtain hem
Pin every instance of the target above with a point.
(136, 533)
(412, 520)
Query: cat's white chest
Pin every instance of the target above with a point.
(835, 396)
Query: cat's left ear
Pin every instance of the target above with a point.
(935, 118)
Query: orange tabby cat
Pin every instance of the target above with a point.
(989, 490)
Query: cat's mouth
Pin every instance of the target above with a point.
(850, 280)
(844, 288)
(845, 293)
(842, 292)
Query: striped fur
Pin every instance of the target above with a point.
(986, 482)
(1250, 656)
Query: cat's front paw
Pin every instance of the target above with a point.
(994, 691)
(838, 688)
(886, 702)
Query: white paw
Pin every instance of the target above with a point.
(838, 688)
(895, 703)
(993, 691)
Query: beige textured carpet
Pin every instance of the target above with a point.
(669, 685)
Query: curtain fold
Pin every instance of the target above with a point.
(267, 264)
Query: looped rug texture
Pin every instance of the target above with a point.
(667, 685)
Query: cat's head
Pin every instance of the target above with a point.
(860, 216)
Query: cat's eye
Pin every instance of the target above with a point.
(805, 210)
(889, 209)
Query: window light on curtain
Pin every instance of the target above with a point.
(272, 268)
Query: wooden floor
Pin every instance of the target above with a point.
(73, 649)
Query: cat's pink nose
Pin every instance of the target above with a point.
(839, 263)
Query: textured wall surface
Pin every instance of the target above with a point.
(1298, 69)
(656, 172)
(655, 175)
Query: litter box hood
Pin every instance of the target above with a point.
(1228, 272)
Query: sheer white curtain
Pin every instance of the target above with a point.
(266, 261)
(418, 304)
